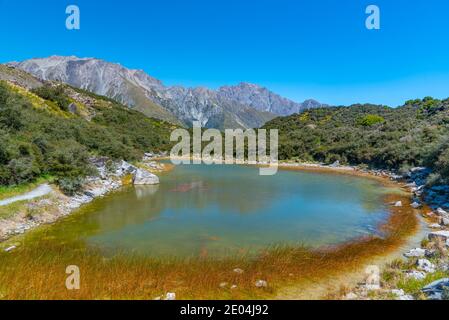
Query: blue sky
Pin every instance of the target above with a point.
(301, 49)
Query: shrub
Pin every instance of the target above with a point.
(70, 186)
(54, 94)
(10, 118)
(69, 160)
(370, 120)
(22, 170)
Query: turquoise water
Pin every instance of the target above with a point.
(200, 210)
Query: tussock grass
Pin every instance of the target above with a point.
(37, 270)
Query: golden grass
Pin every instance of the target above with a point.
(37, 271)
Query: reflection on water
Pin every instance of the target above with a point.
(143, 192)
(227, 210)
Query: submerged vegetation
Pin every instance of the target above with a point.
(416, 134)
(127, 276)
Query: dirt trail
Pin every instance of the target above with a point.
(40, 191)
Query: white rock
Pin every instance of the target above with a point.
(444, 221)
(441, 212)
(10, 249)
(372, 287)
(170, 296)
(435, 226)
(261, 284)
(425, 265)
(143, 177)
(398, 204)
(417, 252)
(439, 236)
(418, 275)
(398, 292)
(238, 270)
(406, 297)
(415, 205)
(223, 285)
(351, 296)
(233, 287)
(125, 168)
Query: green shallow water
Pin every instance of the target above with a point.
(219, 211)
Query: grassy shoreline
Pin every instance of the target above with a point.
(41, 273)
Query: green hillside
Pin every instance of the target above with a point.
(416, 134)
(54, 129)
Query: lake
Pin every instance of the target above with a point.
(220, 211)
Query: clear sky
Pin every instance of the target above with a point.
(299, 48)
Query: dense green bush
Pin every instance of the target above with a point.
(37, 141)
(370, 120)
(376, 136)
(54, 94)
(70, 186)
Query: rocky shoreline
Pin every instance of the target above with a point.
(111, 176)
(426, 268)
(424, 272)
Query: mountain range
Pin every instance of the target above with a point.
(242, 106)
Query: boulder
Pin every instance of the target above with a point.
(400, 294)
(417, 275)
(261, 284)
(415, 253)
(335, 164)
(398, 204)
(238, 270)
(10, 249)
(441, 212)
(170, 296)
(143, 177)
(126, 168)
(415, 205)
(442, 236)
(435, 290)
(426, 266)
(73, 108)
(351, 296)
(444, 221)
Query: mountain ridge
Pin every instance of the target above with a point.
(242, 106)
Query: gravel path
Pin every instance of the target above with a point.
(40, 191)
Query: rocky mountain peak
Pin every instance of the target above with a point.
(244, 105)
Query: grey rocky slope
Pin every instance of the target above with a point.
(263, 99)
(242, 106)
